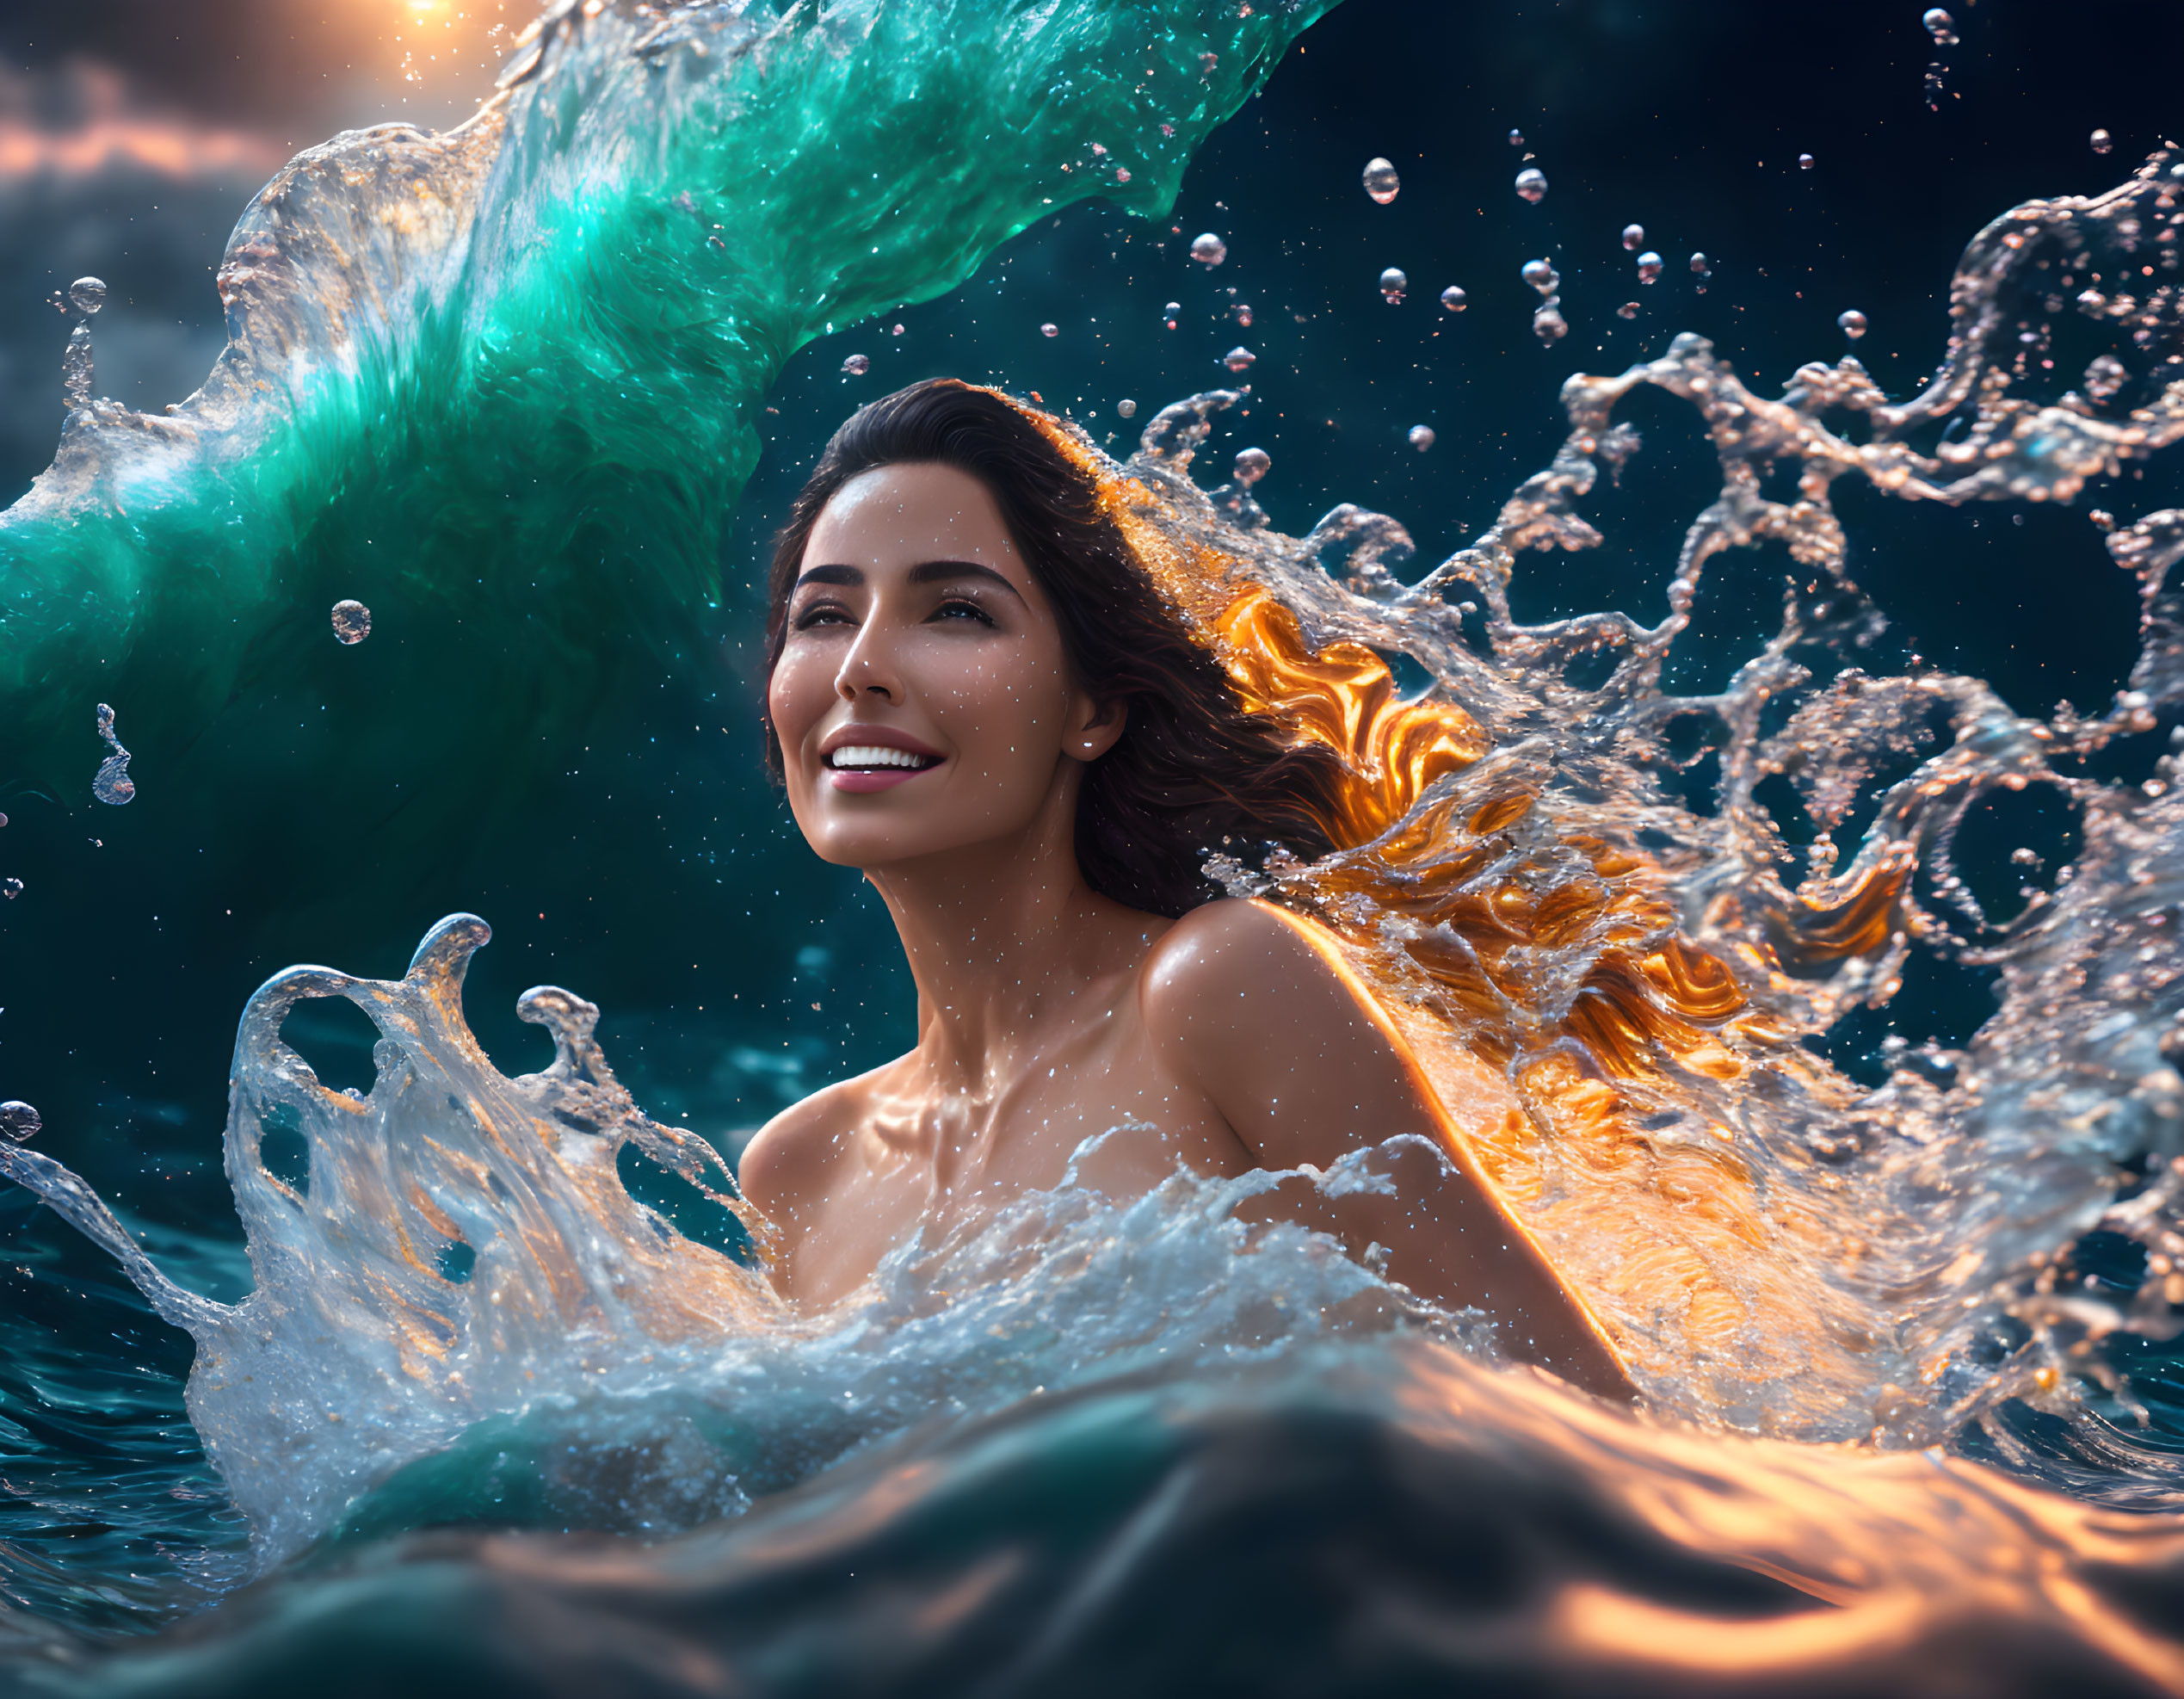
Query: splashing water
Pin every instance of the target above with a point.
(112, 784)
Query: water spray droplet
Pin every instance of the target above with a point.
(1648, 266)
(18, 1119)
(1421, 437)
(1393, 283)
(86, 294)
(112, 784)
(1252, 465)
(1516, 138)
(2105, 376)
(10, 888)
(1241, 312)
(2102, 141)
(352, 622)
(76, 369)
(857, 365)
(1541, 276)
(1699, 268)
(1170, 313)
(1381, 182)
(1126, 408)
(1532, 184)
(1209, 248)
(1454, 299)
(1633, 237)
(1628, 310)
(1238, 359)
(1940, 26)
(1853, 323)
(1050, 329)
(1548, 324)
(1806, 161)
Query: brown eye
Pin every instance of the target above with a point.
(822, 614)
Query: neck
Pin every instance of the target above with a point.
(1008, 945)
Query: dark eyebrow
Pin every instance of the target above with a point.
(928, 572)
(828, 575)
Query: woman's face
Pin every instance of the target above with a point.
(923, 699)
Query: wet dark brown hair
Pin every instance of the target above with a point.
(1194, 771)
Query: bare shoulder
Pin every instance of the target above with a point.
(787, 1157)
(1229, 969)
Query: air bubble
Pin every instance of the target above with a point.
(1541, 276)
(1532, 184)
(1393, 283)
(18, 1119)
(2101, 141)
(857, 365)
(1853, 323)
(1252, 465)
(1648, 266)
(1209, 248)
(1454, 299)
(1633, 237)
(1381, 182)
(1421, 437)
(1238, 359)
(352, 622)
(1126, 408)
(86, 294)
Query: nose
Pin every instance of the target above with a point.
(869, 668)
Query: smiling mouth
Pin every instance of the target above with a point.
(876, 759)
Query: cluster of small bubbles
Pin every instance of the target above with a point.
(87, 295)
(352, 622)
(1050, 329)
(1548, 324)
(1541, 276)
(1241, 312)
(1806, 161)
(10, 888)
(1699, 268)
(1940, 26)
(1853, 323)
(1209, 248)
(1628, 310)
(1532, 184)
(1381, 182)
(18, 1120)
(857, 365)
(2102, 141)
(1170, 313)
(112, 784)
(1393, 284)
(1238, 359)
(1633, 237)
(1252, 465)
(1648, 266)
(1126, 408)
(1421, 436)
(2105, 376)
(1454, 299)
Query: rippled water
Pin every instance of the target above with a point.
(1903, 1325)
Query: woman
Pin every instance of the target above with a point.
(980, 699)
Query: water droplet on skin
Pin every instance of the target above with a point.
(857, 365)
(2102, 141)
(86, 294)
(1532, 184)
(1454, 299)
(1633, 237)
(1238, 359)
(1516, 139)
(112, 784)
(1548, 324)
(1942, 27)
(1393, 283)
(1381, 182)
(18, 1119)
(1648, 266)
(352, 622)
(1126, 408)
(1209, 248)
(1853, 323)
(1806, 161)
(1698, 266)
(1251, 466)
(1050, 329)
(10, 888)
(1541, 276)
(1421, 436)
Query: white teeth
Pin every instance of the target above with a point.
(875, 755)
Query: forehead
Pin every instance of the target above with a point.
(901, 515)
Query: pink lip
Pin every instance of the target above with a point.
(858, 783)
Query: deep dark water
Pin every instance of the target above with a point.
(605, 810)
